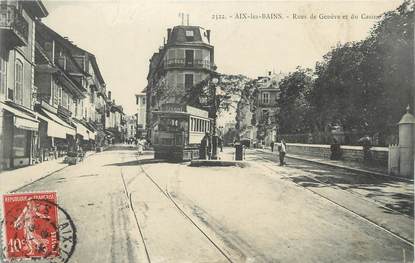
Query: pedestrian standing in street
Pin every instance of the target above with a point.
(220, 143)
(335, 150)
(272, 146)
(140, 145)
(366, 144)
(282, 150)
(206, 147)
(209, 147)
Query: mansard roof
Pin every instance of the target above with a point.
(182, 35)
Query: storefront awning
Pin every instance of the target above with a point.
(54, 129)
(92, 135)
(21, 119)
(56, 126)
(83, 130)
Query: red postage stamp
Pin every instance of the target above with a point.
(31, 225)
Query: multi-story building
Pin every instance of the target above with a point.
(115, 121)
(131, 127)
(67, 92)
(140, 101)
(52, 94)
(265, 112)
(18, 122)
(183, 61)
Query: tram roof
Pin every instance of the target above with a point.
(179, 113)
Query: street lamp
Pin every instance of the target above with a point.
(214, 138)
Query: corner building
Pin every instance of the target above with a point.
(184, 60)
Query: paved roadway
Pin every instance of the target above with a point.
(141, 210)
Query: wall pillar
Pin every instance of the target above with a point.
(407, 144)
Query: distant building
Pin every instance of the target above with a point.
(183, 61)
(141, 104)
(115, 121)
(131, 127)
(265, 113)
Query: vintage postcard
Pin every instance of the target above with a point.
(207, 131)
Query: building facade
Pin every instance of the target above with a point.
(52, 94)
(141, 104)
(265, 109)
(131, 127)
(115, 124)
(183, 61)
(18, 122)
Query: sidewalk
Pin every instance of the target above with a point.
(348, 165)
(12, 180)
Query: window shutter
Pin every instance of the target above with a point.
(180, 81)
(198, 78)
(170, 80)
(180, 53)
(198, 55)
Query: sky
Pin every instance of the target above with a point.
(123, 34)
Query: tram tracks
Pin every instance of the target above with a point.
(357, 194)
(361, 217)
(165, 192)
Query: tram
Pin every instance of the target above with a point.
(176, 134)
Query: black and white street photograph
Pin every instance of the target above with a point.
(194, 131)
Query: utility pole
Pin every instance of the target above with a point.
(215, 105)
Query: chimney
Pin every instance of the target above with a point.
(109, 95)
(168, 34)
(208, 35)
(187, 19)
(113, 101)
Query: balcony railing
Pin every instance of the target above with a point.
(182, 63)
(13, 27)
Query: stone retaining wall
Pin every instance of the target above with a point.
(349, 153)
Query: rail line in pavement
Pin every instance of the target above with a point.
(361, 217)
(128, 196)
(357, 194)
(166, 194)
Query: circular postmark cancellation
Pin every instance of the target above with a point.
(36, 227)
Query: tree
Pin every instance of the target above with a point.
(293, 101)
(202, 94)
(365, 86)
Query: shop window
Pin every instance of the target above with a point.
(18, 88)
(20, 143)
